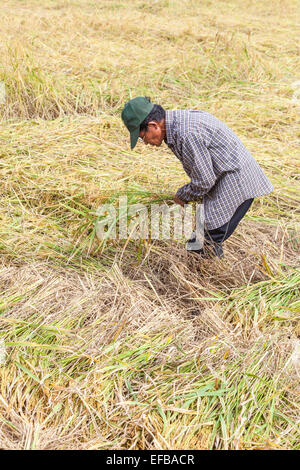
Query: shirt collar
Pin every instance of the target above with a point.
(169, 122)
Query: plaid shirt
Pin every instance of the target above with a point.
(221, 169)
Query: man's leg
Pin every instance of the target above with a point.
(213, 238)
(221, 234)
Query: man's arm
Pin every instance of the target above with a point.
(197, 160)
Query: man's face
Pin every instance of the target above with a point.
(154, 134)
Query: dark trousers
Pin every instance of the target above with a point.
(220, 234)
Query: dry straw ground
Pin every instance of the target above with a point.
(141, 346)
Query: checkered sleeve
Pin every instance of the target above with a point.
(197, 162)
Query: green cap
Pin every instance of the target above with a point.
(133, 114)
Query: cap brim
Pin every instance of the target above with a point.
(134, 135)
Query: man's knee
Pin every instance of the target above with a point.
(216, 235)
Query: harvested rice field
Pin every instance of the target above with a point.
(137, 344)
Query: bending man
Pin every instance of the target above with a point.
(223, 173)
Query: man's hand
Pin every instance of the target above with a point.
(178, 201)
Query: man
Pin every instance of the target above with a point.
(222, 171)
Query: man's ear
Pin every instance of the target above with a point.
(153, 124)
